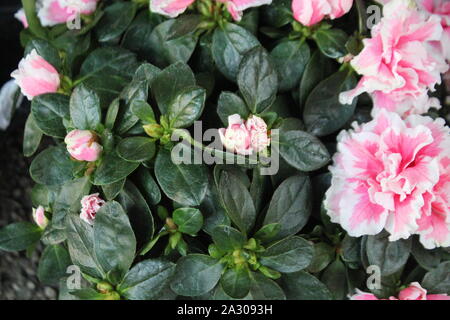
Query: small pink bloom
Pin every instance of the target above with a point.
(20, 15)
(237, 7)
(393, 174)
(170, 8)
(39, 217)
(36, 76)
(399, 64)
(258, 133)
(311, 12)
(413, 292)
(236, 138)
(89, 207)
(53, 12)
(82, 145)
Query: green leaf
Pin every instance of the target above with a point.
(278, 14)
(112, 169)
(236, 282)
(331, 42)
(186, 107)
(48, 111)
(323, 114)
(290, 206)
(115, 20)
(335, 278)
(85, 110)
(229, 45)
(184, 183)
(80, 242)
(318, 68)
(164, 50)
(52, 166)
(426, 258)
(31, 137)
(214, 214)
(53, 264)
(263, 288)
(68, 200)
(143, 111)
(19, 236)
(290, 59)
(237, 201)
(228, 238)
(89, 294)
(303, 151)
(196, 274)
(288, 255)
(150, 188)
(53, 236)
(229, 104)
(171, 82)
(147, 280)
(139, 213)
(323, 255)
(303, 286)
(438, 280)
(185, 25)
(188, 220)
(257, 80)
(111, 191)
(114, 240)
(351, 249)
(390, 256)
(268, 232)
(136, 149)
(111, 114)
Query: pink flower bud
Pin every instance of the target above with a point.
(236, 7)
(236, 138)
(53, 12)
(82, 145)
(413, 292)
(170, 8)
(89, 207)
(20, 15)
(36, 76)
(258, 133)
(39, 217)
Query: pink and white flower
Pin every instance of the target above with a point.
(53, 12)
(393, 174)
(89, 207)
(39, 217)
(413, 292)
(20, 15)
(236, 138)
(36, 76)
(173, 8)
(82, 145)
(311, 12)
(399, 64)
(257, 127)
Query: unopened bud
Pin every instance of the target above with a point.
(154, 130)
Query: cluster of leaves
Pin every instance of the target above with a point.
(172, 229)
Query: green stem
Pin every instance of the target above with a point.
(35, 26)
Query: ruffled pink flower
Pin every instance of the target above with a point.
(399, 64)
(259, 139)
(170, 8)
(413, 292)
(20, 15)
(311, 12)
(53, 12)
(36, 76)
(82, 145)
(39, 217)
(89, 207)
(441, 9)
(393, 174)
(236, 138)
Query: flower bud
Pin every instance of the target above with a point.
(20, 15)
(89, 207)
(236, 138)
(258, 133)
(39, 217)
(36, 76)
(104, 287)
(53, 12)
(82, 145)
(169, 8)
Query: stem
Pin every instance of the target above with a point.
(35, 26)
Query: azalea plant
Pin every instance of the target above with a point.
(231, 149)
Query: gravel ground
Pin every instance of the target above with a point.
(18, 278)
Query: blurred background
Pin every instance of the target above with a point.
(17, 271)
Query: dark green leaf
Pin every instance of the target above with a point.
(335, 278)
(263, 288)
(113, 169)
(85, 110)
(143, 111)
(136, 149)
(31, 137)
(48, 111)
(52, 166)
(53, 264)
(188, 220)
(115, 20)
(331, 42)
(438, 280)
(323, 255)
(19, 236)
(112, 190)
(228, 238)
(229, 104)
(186, 107)
(303, 286)
(236, 282)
